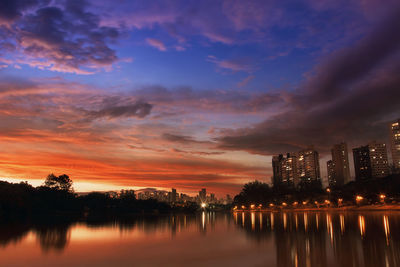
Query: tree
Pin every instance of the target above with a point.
(254, 192)
(62, 182)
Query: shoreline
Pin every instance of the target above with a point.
(344, 208)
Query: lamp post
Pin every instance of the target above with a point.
(382, 198)
(340, 202)
(359, 199)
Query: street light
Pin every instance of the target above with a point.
(359, 199)
(203, 205)
(382, 197)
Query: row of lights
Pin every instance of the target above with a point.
(328, 202)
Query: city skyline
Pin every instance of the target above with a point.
(191, 94)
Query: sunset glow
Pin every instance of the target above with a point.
(172, 94)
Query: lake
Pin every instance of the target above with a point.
(208, 239)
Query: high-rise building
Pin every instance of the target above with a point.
(340, 162)
(295, 168)
(362, 163)
(277, 170)
(331, 173)
(395, 143)
(308, 165)
(285, 170)
(379, 159)
(289, 171)
(370, 161)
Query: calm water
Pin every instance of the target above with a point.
(209, 239)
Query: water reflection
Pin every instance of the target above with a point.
(249, 238)
(351, 239)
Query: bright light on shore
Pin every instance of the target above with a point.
(203, 205)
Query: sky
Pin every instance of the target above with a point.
(190, 94)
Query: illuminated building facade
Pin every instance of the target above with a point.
(308, 166)
(379, 160)
(285, 170)
(370, 161)
(331, 173)
(395, 143)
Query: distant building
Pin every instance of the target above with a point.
(331, 173)
(203, 195)
(370, 161)
(308, 165)
(340, 163)
(212, 198)
(395, 143)
(173, 195)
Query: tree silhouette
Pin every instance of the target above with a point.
(254, 192)
(62, 182)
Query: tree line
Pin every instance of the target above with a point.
(57, 197)
(371, 191)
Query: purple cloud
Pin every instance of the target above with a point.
(156, 44)
(64, 38)
(246, 80)
(351, 97)
(235, 65)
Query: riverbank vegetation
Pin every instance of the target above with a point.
(367, 192)
(57, 197)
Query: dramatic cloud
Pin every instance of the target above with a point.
(64, 38)
(257, 76)
(11, 10)
(181, 100)
(351, 97)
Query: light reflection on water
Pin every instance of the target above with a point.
(209, 239)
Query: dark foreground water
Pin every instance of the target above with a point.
(209, 239)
